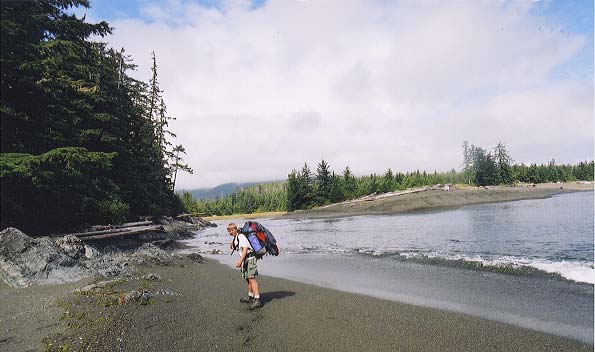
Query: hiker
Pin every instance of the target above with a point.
(247, 265)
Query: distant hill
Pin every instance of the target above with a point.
(220, 191)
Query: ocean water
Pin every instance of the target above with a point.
(527, 263)
(529, 237)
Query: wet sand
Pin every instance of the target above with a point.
(438, 199)
(207, 316)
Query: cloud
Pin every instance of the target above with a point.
(369, 84)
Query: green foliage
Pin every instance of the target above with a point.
(323, 183)
(56, 188)
(552, 172)
(255, 199)
(80, 142)
(480, 168)
(493, 169)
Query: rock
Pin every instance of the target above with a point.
(24, 260)
(133, 296)
(216, 251)
(151, 277)
(170, 244)
(91, 252)
(91, 288)
(142, 296)
(96, 287)
(72, 246)
(146, 296)
(167, 293)
(150, 253)
(195, 257)
(14, 241)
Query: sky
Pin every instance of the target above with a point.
(258, 88)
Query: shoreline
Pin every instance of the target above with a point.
(407, 201)
(431, 200)
(203, 313)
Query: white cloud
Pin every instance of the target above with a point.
(372, 85)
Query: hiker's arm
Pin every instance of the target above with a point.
(242, 257)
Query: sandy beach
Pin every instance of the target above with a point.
(195, 307)
(201, 312)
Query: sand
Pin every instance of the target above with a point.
(205, 315)
(438, 199)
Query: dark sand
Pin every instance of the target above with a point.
(27, 315)
(207, 316)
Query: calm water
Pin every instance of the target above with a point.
(527, 263)
(529, 237)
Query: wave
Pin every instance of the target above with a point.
(582, 272)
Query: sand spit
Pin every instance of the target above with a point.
(428, 199)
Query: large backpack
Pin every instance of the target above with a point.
(260, 238)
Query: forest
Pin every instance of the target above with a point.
(82, 141)
(305, 189)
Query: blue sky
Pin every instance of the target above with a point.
(364, 84)
(117, 9)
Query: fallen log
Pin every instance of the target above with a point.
(131, 224)
(102, 232)
(191, 214)
(143, 229)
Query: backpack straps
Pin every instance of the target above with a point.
(235, 243)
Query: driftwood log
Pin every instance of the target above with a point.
(119, 232)
(131, 224)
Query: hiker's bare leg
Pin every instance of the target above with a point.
(253, 286)
(249, 287)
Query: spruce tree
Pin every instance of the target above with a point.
(503, 164)
(349, 184)
(388, 182)
(323, 183)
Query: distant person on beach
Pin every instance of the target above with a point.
(247, 265)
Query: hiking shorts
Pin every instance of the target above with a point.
(249, 269)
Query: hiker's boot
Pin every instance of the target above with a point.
(256, 303)
(246, 300)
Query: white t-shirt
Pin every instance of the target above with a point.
(242, 242)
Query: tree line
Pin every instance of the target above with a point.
(482, 167)
(305, 189)
(81, 140)
(255, 199)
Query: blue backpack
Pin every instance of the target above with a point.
(261, 239)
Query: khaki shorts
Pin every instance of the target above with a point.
(249, 269)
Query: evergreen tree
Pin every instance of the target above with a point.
(323, 183)
(485, 167)
(503, 164)
(306, 188)
(293, 201)
(349, 184)
(68, 104)
(336, 191)
(178, 164)
(388, 182)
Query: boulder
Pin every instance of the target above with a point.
(195, 257)
(72, 246)
(24, 260)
